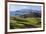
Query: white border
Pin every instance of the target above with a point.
(28, 29)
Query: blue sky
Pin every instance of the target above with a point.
(14, 7)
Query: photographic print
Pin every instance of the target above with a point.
(24, 17)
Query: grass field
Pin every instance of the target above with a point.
(17, 22)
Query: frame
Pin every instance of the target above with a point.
(13, 2)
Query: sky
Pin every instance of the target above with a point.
(14, 7)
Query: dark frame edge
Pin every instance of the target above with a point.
(6, 16)
(27, 2)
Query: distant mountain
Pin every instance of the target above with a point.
(12, 13)
(22, 12)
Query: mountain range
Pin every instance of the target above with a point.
(22, 12)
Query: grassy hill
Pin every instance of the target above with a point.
(17, 22)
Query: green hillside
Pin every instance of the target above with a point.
(17, 22)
